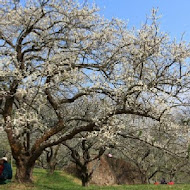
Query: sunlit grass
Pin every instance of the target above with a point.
(62, 181)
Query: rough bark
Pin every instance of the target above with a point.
(24, 170)
(85, 178)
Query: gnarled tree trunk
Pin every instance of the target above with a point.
(24, 173)
(24, 169)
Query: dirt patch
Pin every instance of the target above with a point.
(103, 175)
(125, 172)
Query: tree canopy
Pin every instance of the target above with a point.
(55, 54)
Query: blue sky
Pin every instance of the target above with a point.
(175, 13)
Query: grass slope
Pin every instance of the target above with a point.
(62, 181)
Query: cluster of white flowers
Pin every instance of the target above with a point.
(56, 55)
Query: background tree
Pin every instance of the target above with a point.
(155, 149)
(56, 157)
(83, 153)
(52, 158)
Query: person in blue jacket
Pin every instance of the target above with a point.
(6, 172)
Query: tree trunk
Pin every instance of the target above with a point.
(85, 181)
(51, 168)
(24, 171)
(84, 176)
(143, 178)
(172, 175)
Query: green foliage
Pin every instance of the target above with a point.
(60, 181)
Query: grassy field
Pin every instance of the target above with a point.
(61, 181)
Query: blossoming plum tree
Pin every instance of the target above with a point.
(56, 53)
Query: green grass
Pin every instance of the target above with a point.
(62, 181)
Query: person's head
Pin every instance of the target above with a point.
(3, 160)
